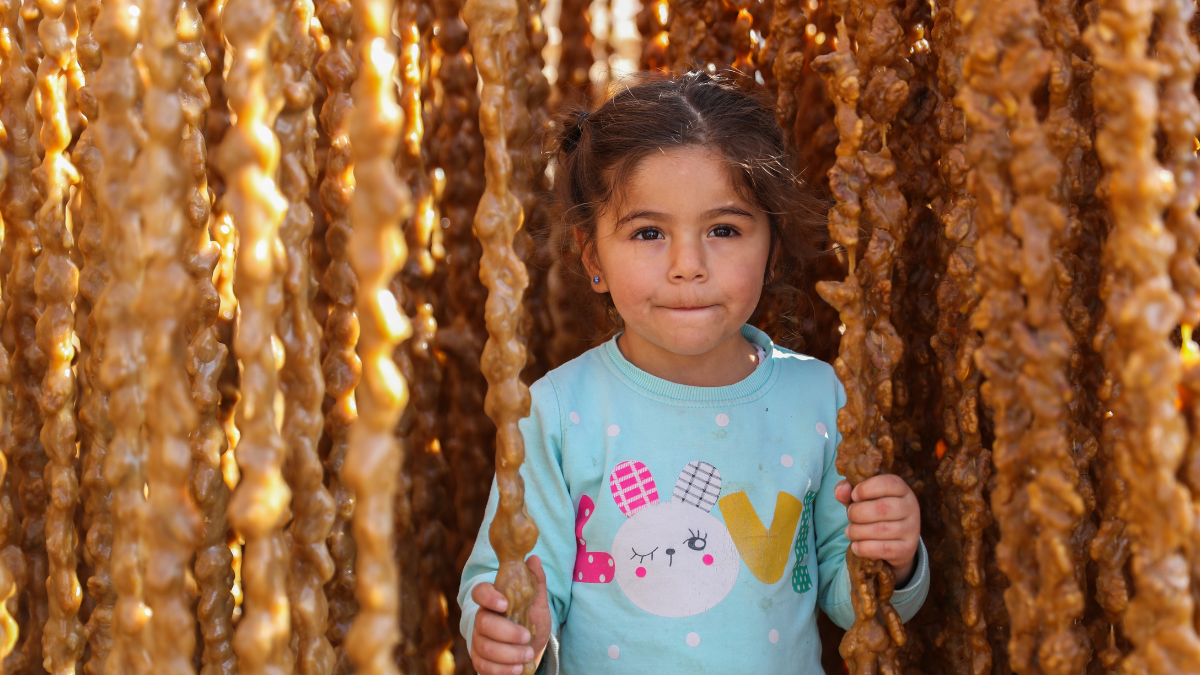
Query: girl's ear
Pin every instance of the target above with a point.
(587, 255)
(771, 262)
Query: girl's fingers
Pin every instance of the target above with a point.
(883, 485)
(486, 596)
(501, 653)
(499, 628)
(886, 508)
(485, 667)
(887, 529)
(841, 492)
(534, 563)
(892, 550)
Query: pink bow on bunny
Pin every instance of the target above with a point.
(591, 567)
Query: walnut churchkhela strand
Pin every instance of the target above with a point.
(1140, 312)
(494, 28)
(56, 283)
(159, 186)
(341, 365)
(377, 252)
(200, 353)
(205, 359)
(248, 159)
(301, 381)
(868, 95)
(18, 204)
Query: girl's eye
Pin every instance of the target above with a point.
(648, 234)
(723, 231)
(642, 556)
(697, 541)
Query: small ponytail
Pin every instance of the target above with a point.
(573, 128)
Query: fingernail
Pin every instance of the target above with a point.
(525, 636)
(854, 547)
(846, 532)
(503, 604)
(517, 670)
(528, 654)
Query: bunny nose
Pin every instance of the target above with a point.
(670, 551)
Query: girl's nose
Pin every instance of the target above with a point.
(687, 262)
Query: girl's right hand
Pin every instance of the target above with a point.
(499, 646)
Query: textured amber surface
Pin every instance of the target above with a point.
(275, 276)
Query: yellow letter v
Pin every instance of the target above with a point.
(764, 551)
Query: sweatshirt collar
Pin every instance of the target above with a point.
(752, 387)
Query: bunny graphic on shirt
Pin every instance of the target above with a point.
(673, 559)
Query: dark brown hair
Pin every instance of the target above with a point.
(596, 153)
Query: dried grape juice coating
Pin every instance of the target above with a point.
(495, 27)
(248, 159)
(301, 380)
(377, 251)
(56, 282)
(1140, 314)
(159, 184)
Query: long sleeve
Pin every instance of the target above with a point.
(833, 579)
(549, 504)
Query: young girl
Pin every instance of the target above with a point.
(682, 474)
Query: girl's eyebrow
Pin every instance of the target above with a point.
(641, 214)
(707, 215)
(725, 211)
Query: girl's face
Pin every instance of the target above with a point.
(682, 254)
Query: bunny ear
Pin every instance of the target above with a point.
(632, 487)
(699, 485)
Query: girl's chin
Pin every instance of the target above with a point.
(690, 339)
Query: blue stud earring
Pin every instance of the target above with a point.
(595, 280)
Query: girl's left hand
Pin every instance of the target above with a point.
(885, 521)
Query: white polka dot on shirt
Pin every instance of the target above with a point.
(693, 639)
(613, 430)
(822, 430)
(574, 417)
(773, 636)
(614, 652)
(787, 461)
(722, 420)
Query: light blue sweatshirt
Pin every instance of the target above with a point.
(686, 529)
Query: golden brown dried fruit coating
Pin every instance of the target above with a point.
(1026, 343)
(13, 154)
(966, 465)
(495, 25)
(1141, 311)
(301, 379)
(574, 82)
(159, 184)
(377, 251)
(1179, 119)
(19, 205)
(458, 151)
(341, 365)
(56, 283)
(205, 359)
(868, 94)
(94, 422)
(248, 159)
(119, 136)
